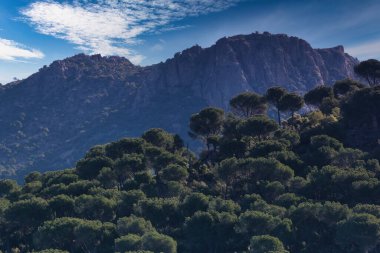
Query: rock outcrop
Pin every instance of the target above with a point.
(50, 119)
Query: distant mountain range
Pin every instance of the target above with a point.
(50, 119)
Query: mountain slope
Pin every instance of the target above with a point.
(51, 118)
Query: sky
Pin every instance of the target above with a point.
(34, 33)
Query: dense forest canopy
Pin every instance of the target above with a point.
(308, 181)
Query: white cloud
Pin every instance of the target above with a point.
(157, 47)
(365, 50)
(13, 51)
(109, 26)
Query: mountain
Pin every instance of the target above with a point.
(50, 119)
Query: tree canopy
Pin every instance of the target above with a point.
(309, 184)
(369, 70)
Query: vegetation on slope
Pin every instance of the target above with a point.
(104, 97)
(297, 185)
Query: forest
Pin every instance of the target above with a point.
(279, 172)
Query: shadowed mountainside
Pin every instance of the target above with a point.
(51, 118)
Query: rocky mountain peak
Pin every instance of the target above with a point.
(81, 66)
(51, 118)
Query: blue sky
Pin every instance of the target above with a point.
(34, 33)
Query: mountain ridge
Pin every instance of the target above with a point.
(86, 100)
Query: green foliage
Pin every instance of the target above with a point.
(95, 207)
(231, 127)
(291, 102)
(248, 104)
(367, 208)
(314, 223)
(346, 87)
(361, 112)
(316, 95)
(127, 166)
(266, 244)
(128, 200)
(125, 146)
(207, 122)
(328, 105)
(129, 242)
(325, 141)
(69, 234)
(194, 202)
(62, 205)
(263, 148)
(358, 233)
(222, 205)
(174, 173)
(51, 251)
(274, 96)
(256, 223)
(8, 187)
(369, 70)
(134, 225)
(156, 242)
(288, 199)
(33, 176)
(160, 138)
(289, 135)
(258, 126)
(308, 186)
(210, 232)
(160, 211)
(78, 188)
(267, 169)
(89, 168)
(27, 214)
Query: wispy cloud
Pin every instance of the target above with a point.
(111, 26)
(157, 47)
(13, 51)
(365, 50)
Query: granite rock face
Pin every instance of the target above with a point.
(253, 62)
(50, 119)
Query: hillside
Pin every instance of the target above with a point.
(258, 186)
(50, 119)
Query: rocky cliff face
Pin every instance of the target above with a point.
(50, 119)
(253, 62)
